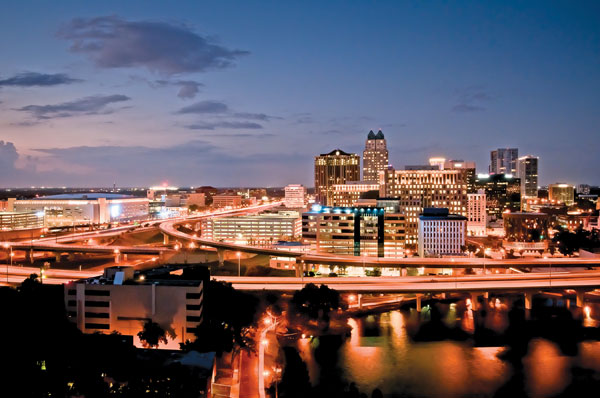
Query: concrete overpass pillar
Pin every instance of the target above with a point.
(474, 301)
(528, 300)
(165, 239)
(29, 256)
(221, 255)
(580, 298)
(359, 300)
(58, 257)
(124, 256)
(117, 258)
(403, 272)
(419, 297)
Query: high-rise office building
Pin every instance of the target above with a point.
(295, 196)
(527, 171)
(418, 189)
(502, 192)
(354, 231)
(468, 167)
(335, 167)
(375, 156)
(504, 161)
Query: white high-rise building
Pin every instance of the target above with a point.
(295, 196)
(375, 156)
(476, 214)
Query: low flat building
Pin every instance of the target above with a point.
(85, 209)
(561, 193)
(441, 233)
(23, 220)
(227, 201)
(355, 231)
(263, 229)
(117, 302)
(525, 232)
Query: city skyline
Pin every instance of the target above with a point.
(266, 92)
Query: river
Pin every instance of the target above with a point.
(380, 354)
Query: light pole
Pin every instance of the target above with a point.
(239, 266)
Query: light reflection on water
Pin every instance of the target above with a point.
(379, 354)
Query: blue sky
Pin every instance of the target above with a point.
(247, 93)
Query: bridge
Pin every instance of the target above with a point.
(577, 283)
(59, 248)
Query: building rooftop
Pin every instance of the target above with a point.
(373, 136)
(338, 152)
(85, 196)
(318, 209)
(434, 213)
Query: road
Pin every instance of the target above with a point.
(588, 280)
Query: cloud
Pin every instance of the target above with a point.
(467, 108)
(223, 124)
(471, 99)
(254, 116)
(8, 156)
(204, 107)
(92, 105)
(187, 88)
(112, 42)
(31, 79)
(221, 109)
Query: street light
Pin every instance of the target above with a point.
(239, 266)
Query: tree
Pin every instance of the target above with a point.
(316, 302)
(228, 315)
(152, 334)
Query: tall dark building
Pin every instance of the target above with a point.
(335, 167)
(503, 192)
(528, 173)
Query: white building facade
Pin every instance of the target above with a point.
(85, 209)
(476, 214)
(441, 233)
(295, 196)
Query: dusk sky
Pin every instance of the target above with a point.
(224, 93)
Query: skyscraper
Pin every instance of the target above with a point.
(335, 167)
(418, 189)
(375, 156)
(528, 174)
(504, 161)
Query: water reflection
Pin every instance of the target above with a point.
(380, 354)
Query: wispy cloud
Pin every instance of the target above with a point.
(31, 79)
(223, 124)
(92, 105)
(471, 99)
(113, 42)
(204, 107)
